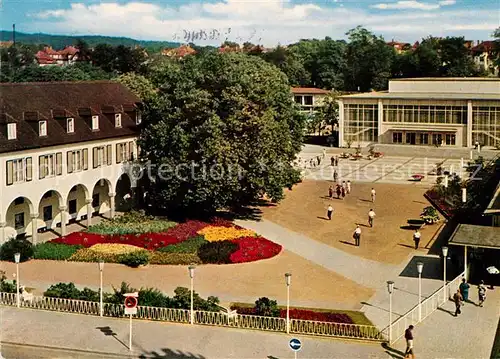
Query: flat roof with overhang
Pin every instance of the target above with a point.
(422, 96)
(469, 235)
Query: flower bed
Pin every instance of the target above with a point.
(191, 242)
(439, 202)
(304, 314)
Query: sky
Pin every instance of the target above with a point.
(268, 22)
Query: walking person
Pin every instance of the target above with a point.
(330, 192)
(339, 192)
(329, 212)
(481, 293)
(373, 193)
(336, 161)
(335, 175)
(464, 290)
(343, 192)
(371, 216)
(324, 153)
(458, 299)
(332, 161)
(357, 236)
(409, 342)
(348, 187)
(344, 186)
(416, 238)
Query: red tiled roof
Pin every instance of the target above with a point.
(309, 90)
(485, 46)
(51, 100)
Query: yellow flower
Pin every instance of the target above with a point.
(215, 233)
(114, 248)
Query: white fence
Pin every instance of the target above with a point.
(297, 326)
(429, 305)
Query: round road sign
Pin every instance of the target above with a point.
(295, 344)
(130, 302)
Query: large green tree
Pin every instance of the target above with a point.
(76, 72)
(369, 61)
(290, 63)
(456, 59)
(223, 133)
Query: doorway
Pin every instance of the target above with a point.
(411, 138)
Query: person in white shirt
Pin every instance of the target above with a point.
(348, 187)
(329, 212)
(371, 216)
(373, 194)
(357, 235)
(416, 238)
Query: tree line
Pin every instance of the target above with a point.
(362, 63)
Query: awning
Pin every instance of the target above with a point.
(476, 236)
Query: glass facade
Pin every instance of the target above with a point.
(486, 126)
(425, 114)
(360, 123)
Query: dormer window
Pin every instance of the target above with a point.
(11, 131)
(42, 128)
(118, 120)
(70, 125)
(138, 118)
(95, 122)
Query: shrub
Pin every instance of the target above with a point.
(88, 255)
(190, 245)
(216, 233)
(217, 252)
(13, 246)
(6, 287)
(175, 258)
(430, 215)
(186, 230)
(89, 295)
(182, 300)
(135, 259)
(266, 307)
(55, 251)
(152, 297)
(63, 290)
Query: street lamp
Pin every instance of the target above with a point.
(17, 259)
(445, 256)
(390, 288)
(420, 267)
(464, 195)
(191, 275)
(288, 280)
(101, 268)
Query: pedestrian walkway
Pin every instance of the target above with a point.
(366, 272)
(167, 340)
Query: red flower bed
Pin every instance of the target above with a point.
(439, 202)
(253, 249)
(303, 314)
(149, 241)
(186, 230)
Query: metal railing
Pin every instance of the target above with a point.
(429, 306)
(221, 319)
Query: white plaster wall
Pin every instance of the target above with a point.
(34, 190)
(477, 86)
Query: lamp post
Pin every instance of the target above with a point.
(101, 268)
(390, 288)
(288, 280)
(420, 267)
(446, 181)
(464, 194)
(17, 259)
(445, 257)
(191, 275)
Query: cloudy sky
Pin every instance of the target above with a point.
(268, 22)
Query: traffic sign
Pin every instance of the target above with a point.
(295, 344)
(131, 305)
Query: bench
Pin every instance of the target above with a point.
(416, 223)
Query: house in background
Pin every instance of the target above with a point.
(400, 47)
(309, 98)
(48, 56)
(483, 57)
(179, 52)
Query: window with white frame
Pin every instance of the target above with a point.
(19, 170)
(50, 165)
(42, 128)
(11, 131)
(101, 156)
(77, 160)
(118, 120)
(70, 125)
(95, 122)
(138, 117)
